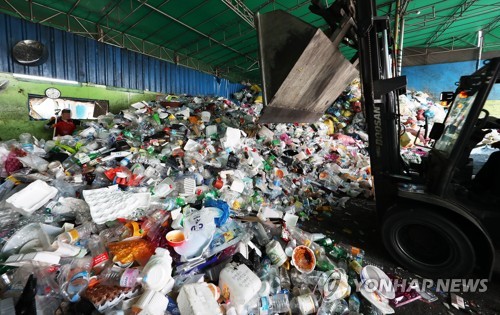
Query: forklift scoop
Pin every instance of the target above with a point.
(303, 72)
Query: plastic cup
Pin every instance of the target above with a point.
(175, 238)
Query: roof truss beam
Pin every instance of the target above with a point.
(241, 10)
(163, 27)
(458, 12)
(193, 29)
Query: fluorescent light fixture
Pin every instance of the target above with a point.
(44, 79)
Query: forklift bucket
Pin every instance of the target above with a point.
(303, 71)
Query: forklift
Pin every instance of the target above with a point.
(428, 221)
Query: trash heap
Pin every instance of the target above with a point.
(186, 206)
(418, 112)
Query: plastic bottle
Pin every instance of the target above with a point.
(116, 233)
(326, 242)
(6, 187)
(271, 281)
(164, 188)
(285, 281)
(99, 254)
(302, 237)
(275, 304)
(304, 304)
(354, 304)
(26, 142)
(114, 276)
(126, 160)
(91, 156)
(335, 307)
(74, 278)
(74, 235)
(342, 250)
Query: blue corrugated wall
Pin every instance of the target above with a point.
(77, 58)
(437, 78)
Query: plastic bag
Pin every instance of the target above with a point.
(35, 162)
(12, 163)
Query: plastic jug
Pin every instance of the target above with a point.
(197, 299)
(239, 284)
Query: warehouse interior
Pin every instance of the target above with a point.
(249, 157)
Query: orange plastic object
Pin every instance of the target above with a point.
(127, 252)
(135, 229)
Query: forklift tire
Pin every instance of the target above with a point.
(428, 244)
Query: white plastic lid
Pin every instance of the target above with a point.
(156, 276)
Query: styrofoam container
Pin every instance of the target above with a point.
(32, 198)
(197, 299)
(239, 284)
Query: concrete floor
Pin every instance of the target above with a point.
(356, 225)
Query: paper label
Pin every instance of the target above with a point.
(99, 259)
(129, 278)
(74, 235)
(84, 159)
(78, 178)
(276, 254)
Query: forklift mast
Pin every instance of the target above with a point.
(381, 95)
(303, 72)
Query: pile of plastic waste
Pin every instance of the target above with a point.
(186, 206)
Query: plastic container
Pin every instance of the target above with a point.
(239, 284)
(127, 278)
(276, 253)
(197, 299)
(31, 198)
(74, 235)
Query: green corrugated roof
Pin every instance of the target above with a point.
(208, 35)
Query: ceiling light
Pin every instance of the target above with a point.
(44, 79)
